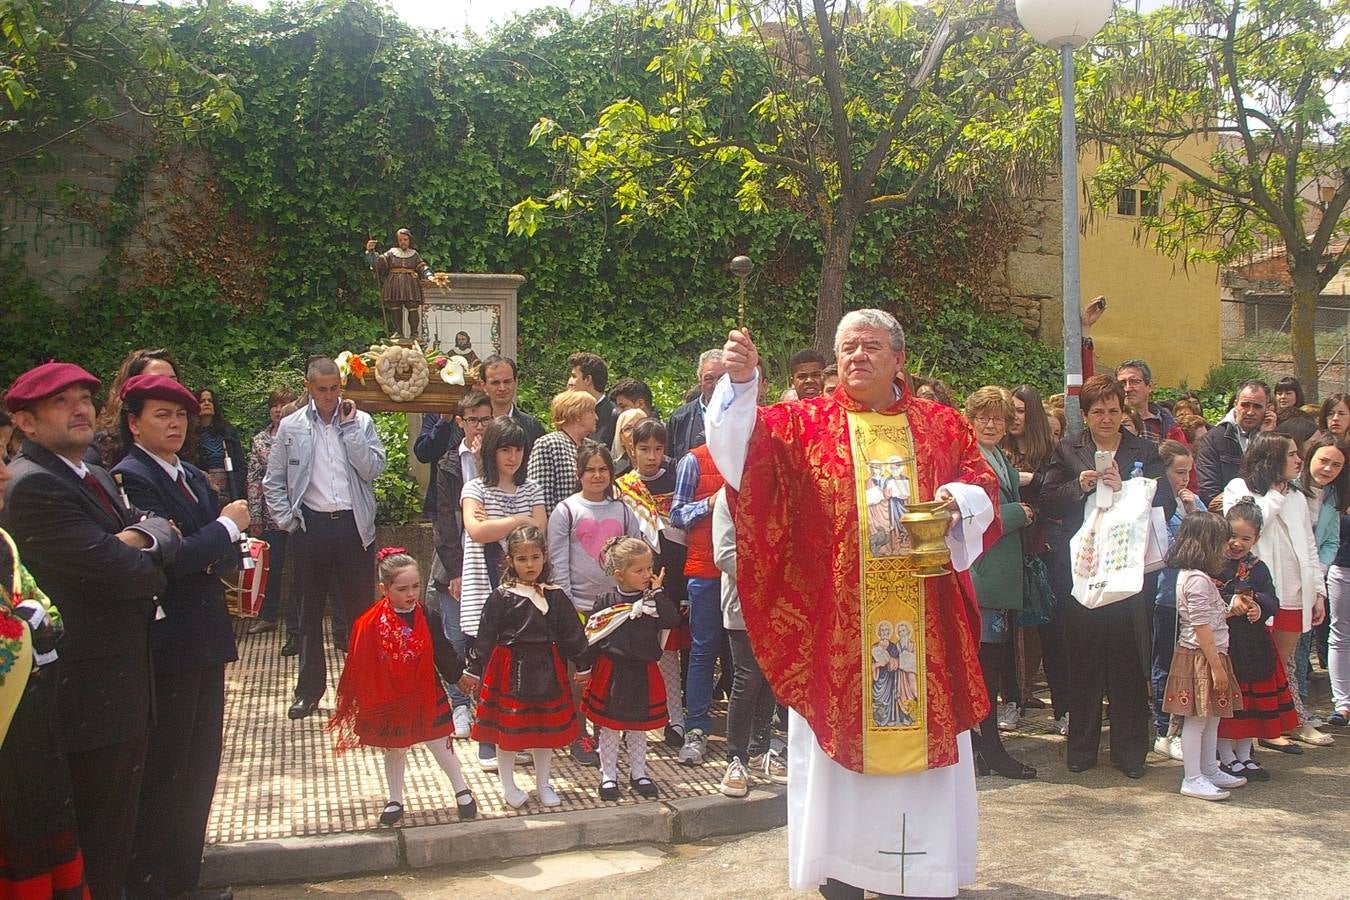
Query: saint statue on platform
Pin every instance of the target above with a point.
(403, 270)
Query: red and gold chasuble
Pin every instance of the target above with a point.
(883, 666)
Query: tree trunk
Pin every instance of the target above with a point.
(833, 277)
(1302, 331)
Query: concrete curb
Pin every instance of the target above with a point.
(489, 840)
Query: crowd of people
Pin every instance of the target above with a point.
(583, 589)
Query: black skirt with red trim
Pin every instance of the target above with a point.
(1267, 708)
(625, 695)
(39, 853)
(524, 702)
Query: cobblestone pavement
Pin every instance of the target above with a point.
(279, 778)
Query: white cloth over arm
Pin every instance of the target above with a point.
(966, 538)
(729, 423)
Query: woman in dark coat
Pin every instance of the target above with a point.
(191, 641)
(1108, 647)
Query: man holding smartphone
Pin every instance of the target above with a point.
(319, 487)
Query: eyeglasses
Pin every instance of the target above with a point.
(478, 420)
(990, 420)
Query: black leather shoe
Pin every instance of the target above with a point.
(301, 708)
(291, 647)
(1133, 771)
(1081, 767)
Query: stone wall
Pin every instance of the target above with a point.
(1027, 283)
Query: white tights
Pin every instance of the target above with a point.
(1231, 751)
(396, 762)
(1199, 745)
(669, 666)
(506, 771)
(609, 754)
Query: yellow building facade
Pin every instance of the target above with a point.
(1157, 309)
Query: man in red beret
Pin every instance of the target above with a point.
(102, 561)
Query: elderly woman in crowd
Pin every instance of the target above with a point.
(1108, 646)
(553, 458)
(997, 576)
(622, 450)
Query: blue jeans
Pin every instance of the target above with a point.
(271, 605)
(705, 633)
(1164, 645)
(448, 607)
(1303, 663)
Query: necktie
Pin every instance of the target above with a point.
(102, 495)
(183, 485)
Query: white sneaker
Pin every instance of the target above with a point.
(1008, 717)
(1223, 781)
(1169, 747)
(1062, 723)
(1201, 788)
(736, 781)
(462, 721)
(549, 797)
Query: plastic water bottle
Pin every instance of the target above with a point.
(1138, 470)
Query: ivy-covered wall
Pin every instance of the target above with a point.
(244, 254)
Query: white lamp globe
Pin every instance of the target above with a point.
(1057, 23)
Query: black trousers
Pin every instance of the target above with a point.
(272, 600)
(1105, 655)
(750, 710)
(330, 563)
(105, 786)
(181, 765)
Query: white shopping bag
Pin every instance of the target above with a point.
(1155, 553)
(1108, 552)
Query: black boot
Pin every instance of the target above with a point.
(991, 752)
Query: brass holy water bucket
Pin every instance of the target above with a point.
(927, 524)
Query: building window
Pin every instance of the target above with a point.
(1127, 202)
(1148, 203)
(1137, 202)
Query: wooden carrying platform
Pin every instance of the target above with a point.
(437, 397)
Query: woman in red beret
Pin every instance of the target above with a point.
(191, 641)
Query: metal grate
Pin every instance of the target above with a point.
(279, 778)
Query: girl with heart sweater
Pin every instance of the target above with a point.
(582, 524)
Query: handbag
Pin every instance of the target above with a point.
(1038, 598)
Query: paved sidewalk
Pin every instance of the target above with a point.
(279, 779)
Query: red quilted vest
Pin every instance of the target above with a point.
(699, 563)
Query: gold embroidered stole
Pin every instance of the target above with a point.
(894, 682)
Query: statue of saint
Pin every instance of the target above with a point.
(403, 271)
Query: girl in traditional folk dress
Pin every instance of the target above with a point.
(1267, 706)
(648, 489)
(627, 692)
(390, 695)
(1201, 684)
(527, 629)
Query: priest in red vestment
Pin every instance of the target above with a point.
(879, 665)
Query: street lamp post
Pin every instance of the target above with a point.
(1066, 25)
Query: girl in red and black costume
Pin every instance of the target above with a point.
(527, 629)
(1267, 706)
(627, 692)
(391, 694)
